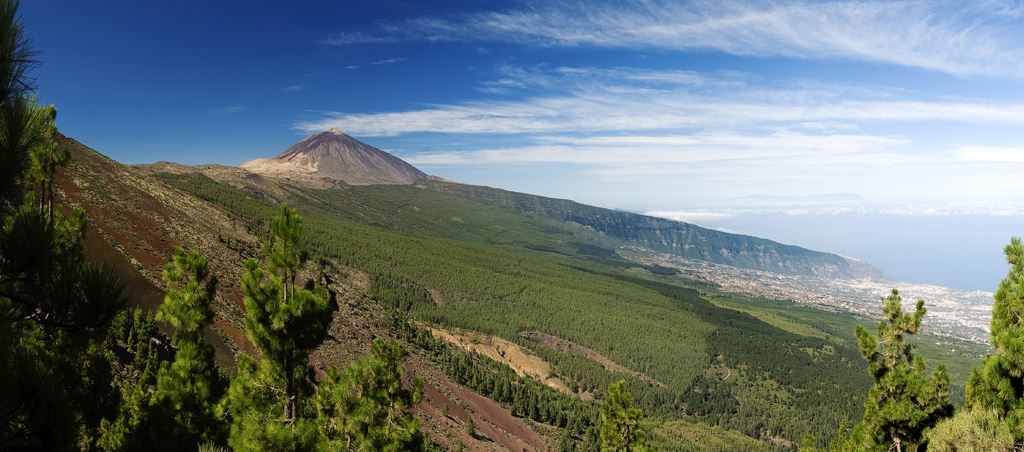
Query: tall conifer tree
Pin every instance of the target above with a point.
(188, 388)
(285, 323)
(54, 307)
(999, 384)
(366, 406)
(905, 401)
(620, 421)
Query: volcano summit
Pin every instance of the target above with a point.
(335, 155)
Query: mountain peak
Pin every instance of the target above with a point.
(335, 155)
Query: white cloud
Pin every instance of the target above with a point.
(358, 37)
(378, 62)
(959, 38)
(663, 151)
(600, 100)
(390, 61)
(228, 110)
(694, 216)
(719, 137)
(697, 140)
(713, 215)
(990, 154)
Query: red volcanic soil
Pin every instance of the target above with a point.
(359, 320)
(134, 224)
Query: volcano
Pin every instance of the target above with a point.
(336, 155)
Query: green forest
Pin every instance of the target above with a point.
(82, 367)
(506, 286)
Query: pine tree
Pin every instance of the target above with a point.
(46, 157)
(188, 388)
(999, 384)
(808, 444)
(135, 426)
(366, 406)
(55, 308)
(17, 59)
(169, 405)
(971, 431)
(253, 404)
(904, 402)
(620, 421)
(285, 323)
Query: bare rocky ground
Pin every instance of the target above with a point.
(560, 344)
(523, 361)
(136, 222)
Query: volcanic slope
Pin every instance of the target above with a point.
(500, 267)
(333, 159)
(459, 263)
(134, 223)
(454, 262)
(333, 155)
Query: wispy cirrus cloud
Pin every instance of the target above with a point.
(631, 151)
(704, 216)
(389, 61)
(596, 100)
(357, 37)
(378, 63)
(610, 112)
(228, 110)
(695, 139)
(963, 39)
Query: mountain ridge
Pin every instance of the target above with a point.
(497, 268)
(334, 160)
(674, 237)
(135, 221)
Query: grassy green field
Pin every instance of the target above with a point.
(763, 368)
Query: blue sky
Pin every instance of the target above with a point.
(779, 119)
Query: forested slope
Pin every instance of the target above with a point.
(683, 239)
(456, 210)
(135, 222)
(723, 366)
(454, 261)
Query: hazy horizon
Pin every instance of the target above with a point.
(918, 247)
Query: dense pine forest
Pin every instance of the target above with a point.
(83, 366)
(532, 274)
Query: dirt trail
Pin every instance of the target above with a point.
(576, 349)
